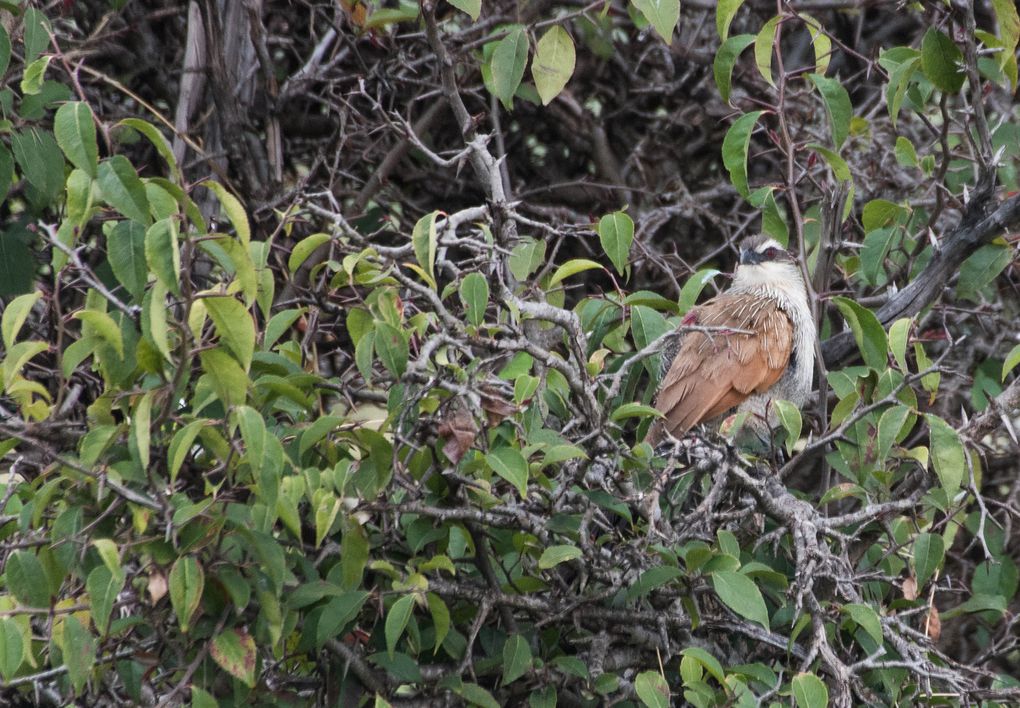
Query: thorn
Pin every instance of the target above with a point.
(1009, 426)
(997, 157)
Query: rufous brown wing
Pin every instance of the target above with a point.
(714, 372)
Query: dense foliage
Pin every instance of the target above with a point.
(330, 333)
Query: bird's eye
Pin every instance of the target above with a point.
(771, 253)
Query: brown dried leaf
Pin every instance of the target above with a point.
(496, 407)
(157, 586)
(910, 588)
(460, 431)
(932, 624)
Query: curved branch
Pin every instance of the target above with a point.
(978, 226)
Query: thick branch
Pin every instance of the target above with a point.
(974, 230)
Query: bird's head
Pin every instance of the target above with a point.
(763, 261)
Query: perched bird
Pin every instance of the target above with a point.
(765, 351)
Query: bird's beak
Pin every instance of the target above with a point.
(750, 257)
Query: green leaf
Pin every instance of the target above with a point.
(837, 106)
(899, 333)
(37, 33)
(110, 554)
(789, 417)
(304, 248)
(75, 129)
(440, 618)
(942, 61)
(26, 579)
(474, 294)
(662, 14)
(554, 555)
(508, 61)
(1009, 28)
(35, 73)
(740, 594)
(123, 190)
(19, 355)
(510, 464)
(889, 427)
(835, 162)
(12, 648)
(40, 160)
(326, 512)
(162, 253)
(396, 621)
(821, 42)
(79, 651)
(867, 618)
(363, 352)
(763, 46)
(187, 580)
(201, 698)
(867, 330)
(141, 423)
(899, 82)
(473, 8)
(929, 550)
(634, 410)
(516, 658)
(734, 150)
(930, 382)
(906, 155)
(877, 245)
(156, 138)
(725, 59)
(234, 210)
(337, 613)
(647, 325)
(571, 267)
(125, 249)
(6, 169)
(278, 324)
(692, 288)
(15, 314)
(981, 268)
(424, 240)
(180, 446)
(527, 257)
(391, 346)
(475, 695)
(708, 661)
(652, 689)
(235, 327)
(653, 578)
(229, 380)
(616, 233)
(1012, 359)
(5, 50)
(553, 64)
(947, 453)
(103, 587)
(880, 213)
(234, 651)
(725, 11)
(809, 691)
(101, 325)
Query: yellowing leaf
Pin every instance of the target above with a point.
(662, 14)
(553, 64)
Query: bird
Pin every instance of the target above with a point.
(762, 347)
